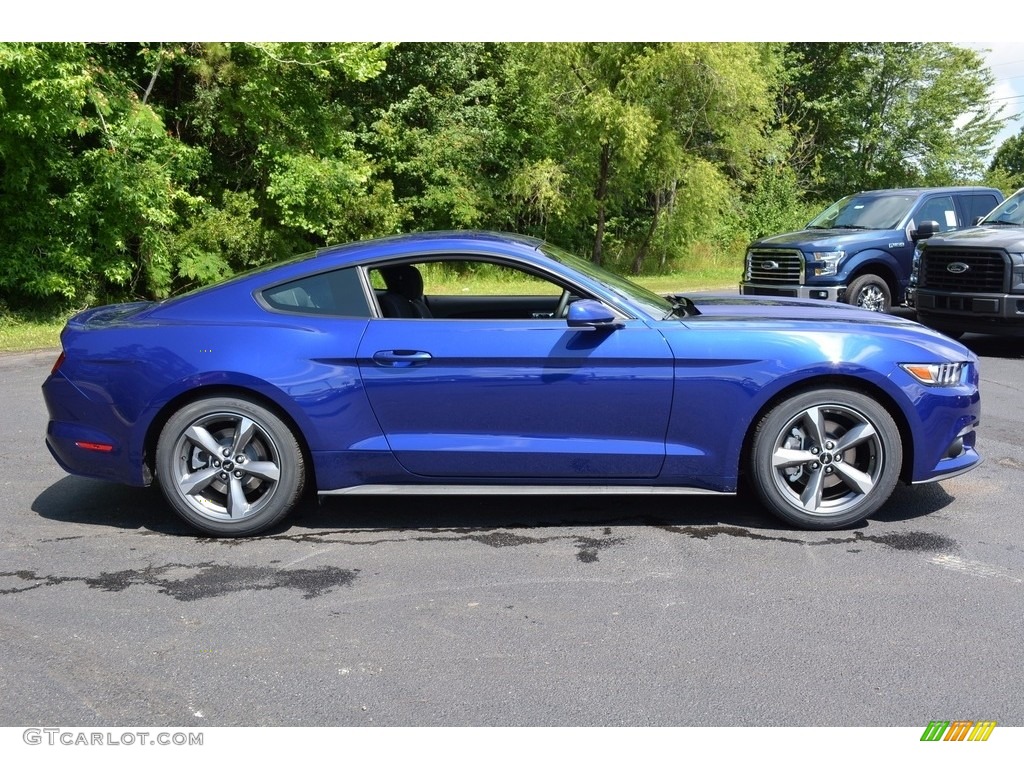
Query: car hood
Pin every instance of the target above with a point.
(773, 308)
(823, 239)
(984, 236)
(759, 313)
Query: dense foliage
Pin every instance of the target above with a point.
(132, 170)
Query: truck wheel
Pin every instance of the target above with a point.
(869, 292)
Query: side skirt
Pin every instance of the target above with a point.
(531, 490)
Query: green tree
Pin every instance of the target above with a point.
(892, 114)
(276, 121)
(90, 182)
(449, 125)
(656, 141)
(1008, 162)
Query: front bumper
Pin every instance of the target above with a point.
(822, 293)
(978, 313)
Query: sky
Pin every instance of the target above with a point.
(1006, 60)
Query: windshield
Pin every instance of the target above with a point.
(648, 301)
(865, 212)
(1011, 211)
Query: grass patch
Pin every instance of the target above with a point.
(25, 331)
(710, 279)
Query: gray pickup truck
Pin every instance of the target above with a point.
(972, 280)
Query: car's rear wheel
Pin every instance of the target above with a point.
(826, 459)
(229, 466)
(870, 292)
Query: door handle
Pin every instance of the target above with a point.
(400, 358)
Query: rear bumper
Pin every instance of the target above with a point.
(81, 448)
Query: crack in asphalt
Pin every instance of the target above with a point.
(209, 580)
(587, 546)
(910, 541)
(915, 541)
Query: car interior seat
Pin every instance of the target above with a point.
(404, 295)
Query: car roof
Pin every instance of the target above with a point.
(922, 190)
(434, 240)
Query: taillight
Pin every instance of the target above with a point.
(99, 447)
(56, 365)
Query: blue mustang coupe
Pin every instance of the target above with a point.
(521, 369)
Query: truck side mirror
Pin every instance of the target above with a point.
(924, 230)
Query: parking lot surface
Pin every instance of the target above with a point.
(487, 610)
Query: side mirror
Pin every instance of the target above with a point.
(925, 230)
(977, 221)
(587, 313)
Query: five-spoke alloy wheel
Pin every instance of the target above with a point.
(229, 466)
(826, 459)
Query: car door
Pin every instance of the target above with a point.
(530, 398)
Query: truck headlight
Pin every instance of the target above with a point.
(1017, 275)
(748, 267)
(826, 263)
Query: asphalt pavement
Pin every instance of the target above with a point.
(506, 611)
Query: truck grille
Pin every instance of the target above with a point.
(984, 274)
(775, 266)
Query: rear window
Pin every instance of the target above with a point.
(978, 206)
(339, 294)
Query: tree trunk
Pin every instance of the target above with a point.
(671, 210)
(601, 194)
(645, 246)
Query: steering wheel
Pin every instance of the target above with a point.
(563, 304)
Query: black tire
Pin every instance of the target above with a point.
(826, 459)
(870, 292)
(229, 467)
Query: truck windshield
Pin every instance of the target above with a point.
(864, 212)
(1011, 211)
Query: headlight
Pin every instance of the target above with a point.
(749, 265)
(826, 262)
(938, 374)
(1017, 276)
(915, 266)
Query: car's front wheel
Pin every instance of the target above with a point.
(229, 466)
(826, 459)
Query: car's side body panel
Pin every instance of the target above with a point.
(527, 398)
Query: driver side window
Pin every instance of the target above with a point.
(941, 210)
(464, 288)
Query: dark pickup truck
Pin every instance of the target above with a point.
(860, 249)
(973, 281)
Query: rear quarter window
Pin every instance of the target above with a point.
(338, 294)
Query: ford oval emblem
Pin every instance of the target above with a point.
(771, 265)
(957, 267)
